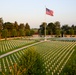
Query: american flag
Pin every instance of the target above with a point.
(49, 12)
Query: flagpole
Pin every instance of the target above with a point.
(48, 12)
(45, 25)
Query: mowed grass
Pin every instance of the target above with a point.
(9, 45)
(55, 55)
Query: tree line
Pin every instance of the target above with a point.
(9, 29)
(56, 29)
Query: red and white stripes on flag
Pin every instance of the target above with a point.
(49, 12)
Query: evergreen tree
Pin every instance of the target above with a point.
(1, 26)
(27, 26)
(5, 33)
(32, 62)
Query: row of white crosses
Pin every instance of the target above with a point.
(68, 45)
(62, 61)
(9, 61)
(57, 60)
(8, 64)
(58, 57)
(4, 46)
(70, 52)
(54, 59)
(65, 62)
(4, 65)
(11, 44)
(13, 58)
(51, 56)
(16, 56)
(52, 49)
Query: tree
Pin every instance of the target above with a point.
(14, 32)
(32, 62)
(74, 28)
(27, 32)
(1, 23)
(16, 25)
(9, 27)
(57, 32)
(51, 28)
(1, 26)
(5, 33)
(65, 29)
(27, 26)
(21, 26)
(31, 32)
(21, 32)
(42, 29)
(71, 32)
(57, 28)
(57, 24)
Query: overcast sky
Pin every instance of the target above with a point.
(33, 11)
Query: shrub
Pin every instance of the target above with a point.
(32, 62)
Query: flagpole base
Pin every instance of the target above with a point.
(45, 39)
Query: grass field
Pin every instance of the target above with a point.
(54, 53)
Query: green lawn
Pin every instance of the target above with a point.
(54, 53)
